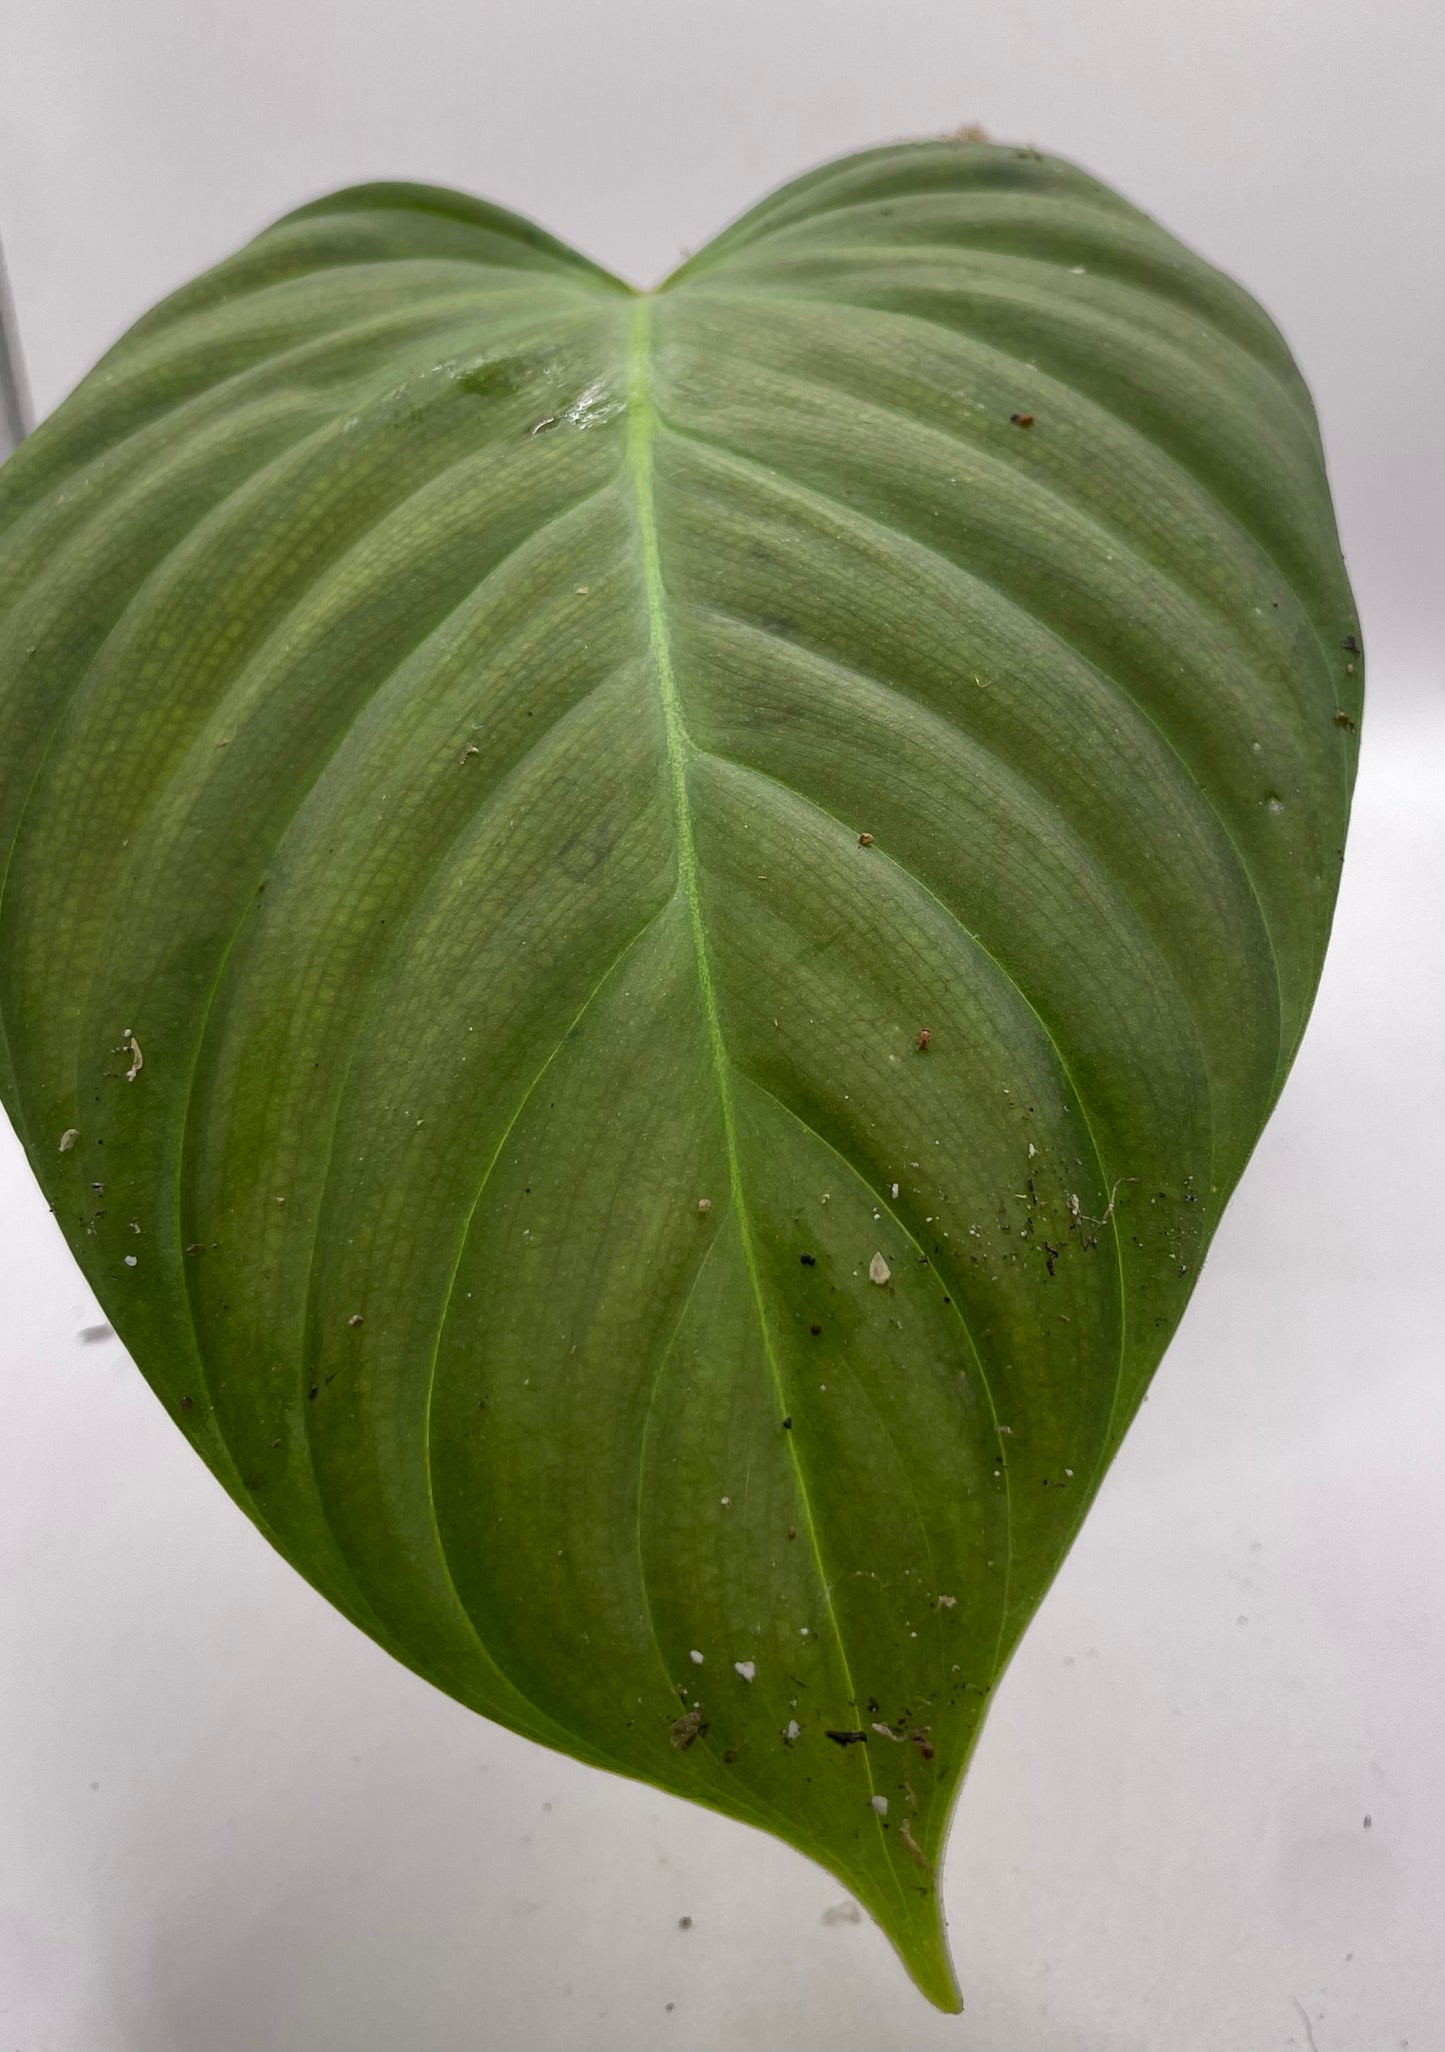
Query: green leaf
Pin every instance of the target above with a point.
(644, 933)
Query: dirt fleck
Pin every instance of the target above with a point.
(915, 1850)
(355, 1319)
(1022, 419)
(878, 1271)
(865, 840)
(925, 1037)
(684, 1923)
(704, 1205)
(847, 1738)
(808, 1260)
(792, 1531)
(687, 1729)
(137, 1059)
(68, 1138)
(188, 1403)
(1342, 719)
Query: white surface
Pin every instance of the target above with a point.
(230, 1824)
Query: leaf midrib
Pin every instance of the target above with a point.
(642, 418)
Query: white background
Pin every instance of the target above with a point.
(227, 1822)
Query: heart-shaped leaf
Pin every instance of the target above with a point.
(644, 933)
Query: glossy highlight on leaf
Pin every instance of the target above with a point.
(643, 933)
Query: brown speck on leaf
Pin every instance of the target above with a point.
(972, 132)
(137, 1059)
(815, 1330)
(687, 1729)
(704, 1205)
(916, 1852)
(195, 1248)
(1022, 419)
(1350, 645)
(792, 1531)
(865, 840)
(923, 1742)
(787, 1424)
(188, 1403)
(730, 1756)
(68, 1138)
(925, 1036)
(1342, 719)
(847, 1738)
(808, 1260)
(355, 1318)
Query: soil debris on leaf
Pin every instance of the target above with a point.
(688, 1729)
(847, 1738)
(916, 1853)
(879, 1272)
(68, 1138)
(137, 1059)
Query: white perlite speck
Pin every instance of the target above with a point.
(880, 1804)
(746, 1668)
(792, 1731)
(879, 1271)
(695, 1657)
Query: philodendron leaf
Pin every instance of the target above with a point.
(644, 933)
